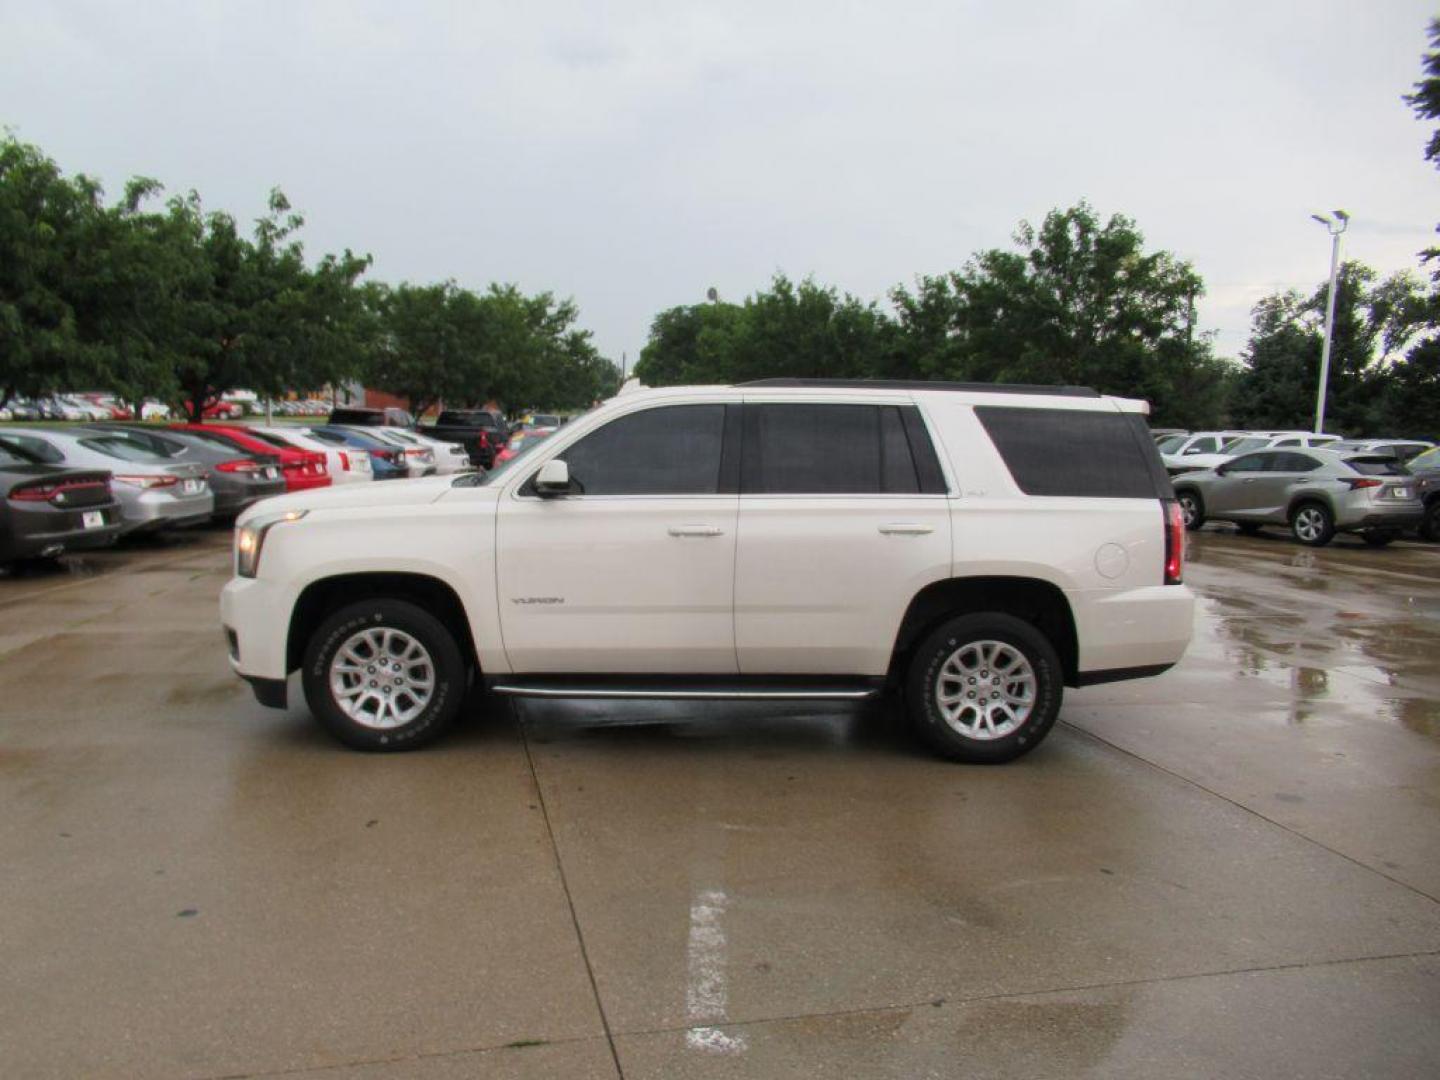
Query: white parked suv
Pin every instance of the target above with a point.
(975, 547)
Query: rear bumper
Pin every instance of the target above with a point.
(1133, 632)
(46, 532)
(155, 510)
(1408, 518)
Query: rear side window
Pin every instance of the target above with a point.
(38, 449)
(1297, 463)
(1076, 452)
(839, 449)
(673, 450)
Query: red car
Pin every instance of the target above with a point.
(302, 469)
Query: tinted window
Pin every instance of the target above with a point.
(466, 419)
(666, 451)
(1171, 443)
(820, 449)
(1288, 442)
(1297, 463)
(1203, 446)
(1250, 463)
(1376, 465)
(1079, 452)
(897, 467)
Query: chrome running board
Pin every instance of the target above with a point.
(617, 688)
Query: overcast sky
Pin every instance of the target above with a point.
(631, 155)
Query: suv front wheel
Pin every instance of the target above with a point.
(984, 688)
(384, 674)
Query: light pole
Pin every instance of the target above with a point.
(1334, 226)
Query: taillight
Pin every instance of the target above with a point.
(1358, 482)
(148, 482)
(344, 461)
(240, 465)
(55, 491)
(482, 441)
(1174, 541)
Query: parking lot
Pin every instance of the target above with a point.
(1231, 870)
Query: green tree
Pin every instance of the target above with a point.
(802, 330)
(1373, 324)
(44, 219)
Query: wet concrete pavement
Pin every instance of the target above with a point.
(1231, 870)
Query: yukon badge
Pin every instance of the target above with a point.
(537, 600)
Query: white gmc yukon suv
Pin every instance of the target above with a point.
(975, 547)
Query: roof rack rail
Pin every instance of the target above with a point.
(921, 384)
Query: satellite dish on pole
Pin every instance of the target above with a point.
(712, 295)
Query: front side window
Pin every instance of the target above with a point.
(1251, 463)
(674, 450)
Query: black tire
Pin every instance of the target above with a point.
(1192, 507)
(1312, 524)
(1430, 524)
(1248, 528)
(951, 641)
(447, 673)
(1377, 538)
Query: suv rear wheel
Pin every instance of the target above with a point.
(984, 688)
(1312, 524)
(384, 674)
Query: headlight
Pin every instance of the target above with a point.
(250, 538)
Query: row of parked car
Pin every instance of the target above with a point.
(83, 486)
(1314, 484)
(82, 407)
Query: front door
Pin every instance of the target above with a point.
(633, 571)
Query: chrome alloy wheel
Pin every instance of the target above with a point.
(1310, 524)
(985, 689)
(382, 678)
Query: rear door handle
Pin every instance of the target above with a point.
(696, 530)
(906, 528)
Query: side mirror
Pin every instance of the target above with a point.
(1221, 470)
(552, 479)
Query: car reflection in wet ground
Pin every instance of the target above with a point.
(1229, 870)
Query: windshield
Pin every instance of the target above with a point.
(1430, 459)
(1241, 446)
(527, 451)
(1171, 443)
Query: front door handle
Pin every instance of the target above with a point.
(906, 528)
(696, 530)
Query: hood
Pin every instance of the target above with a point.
(356, 496)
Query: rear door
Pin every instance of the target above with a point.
(844, 517)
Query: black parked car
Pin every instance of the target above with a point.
(46, 510)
